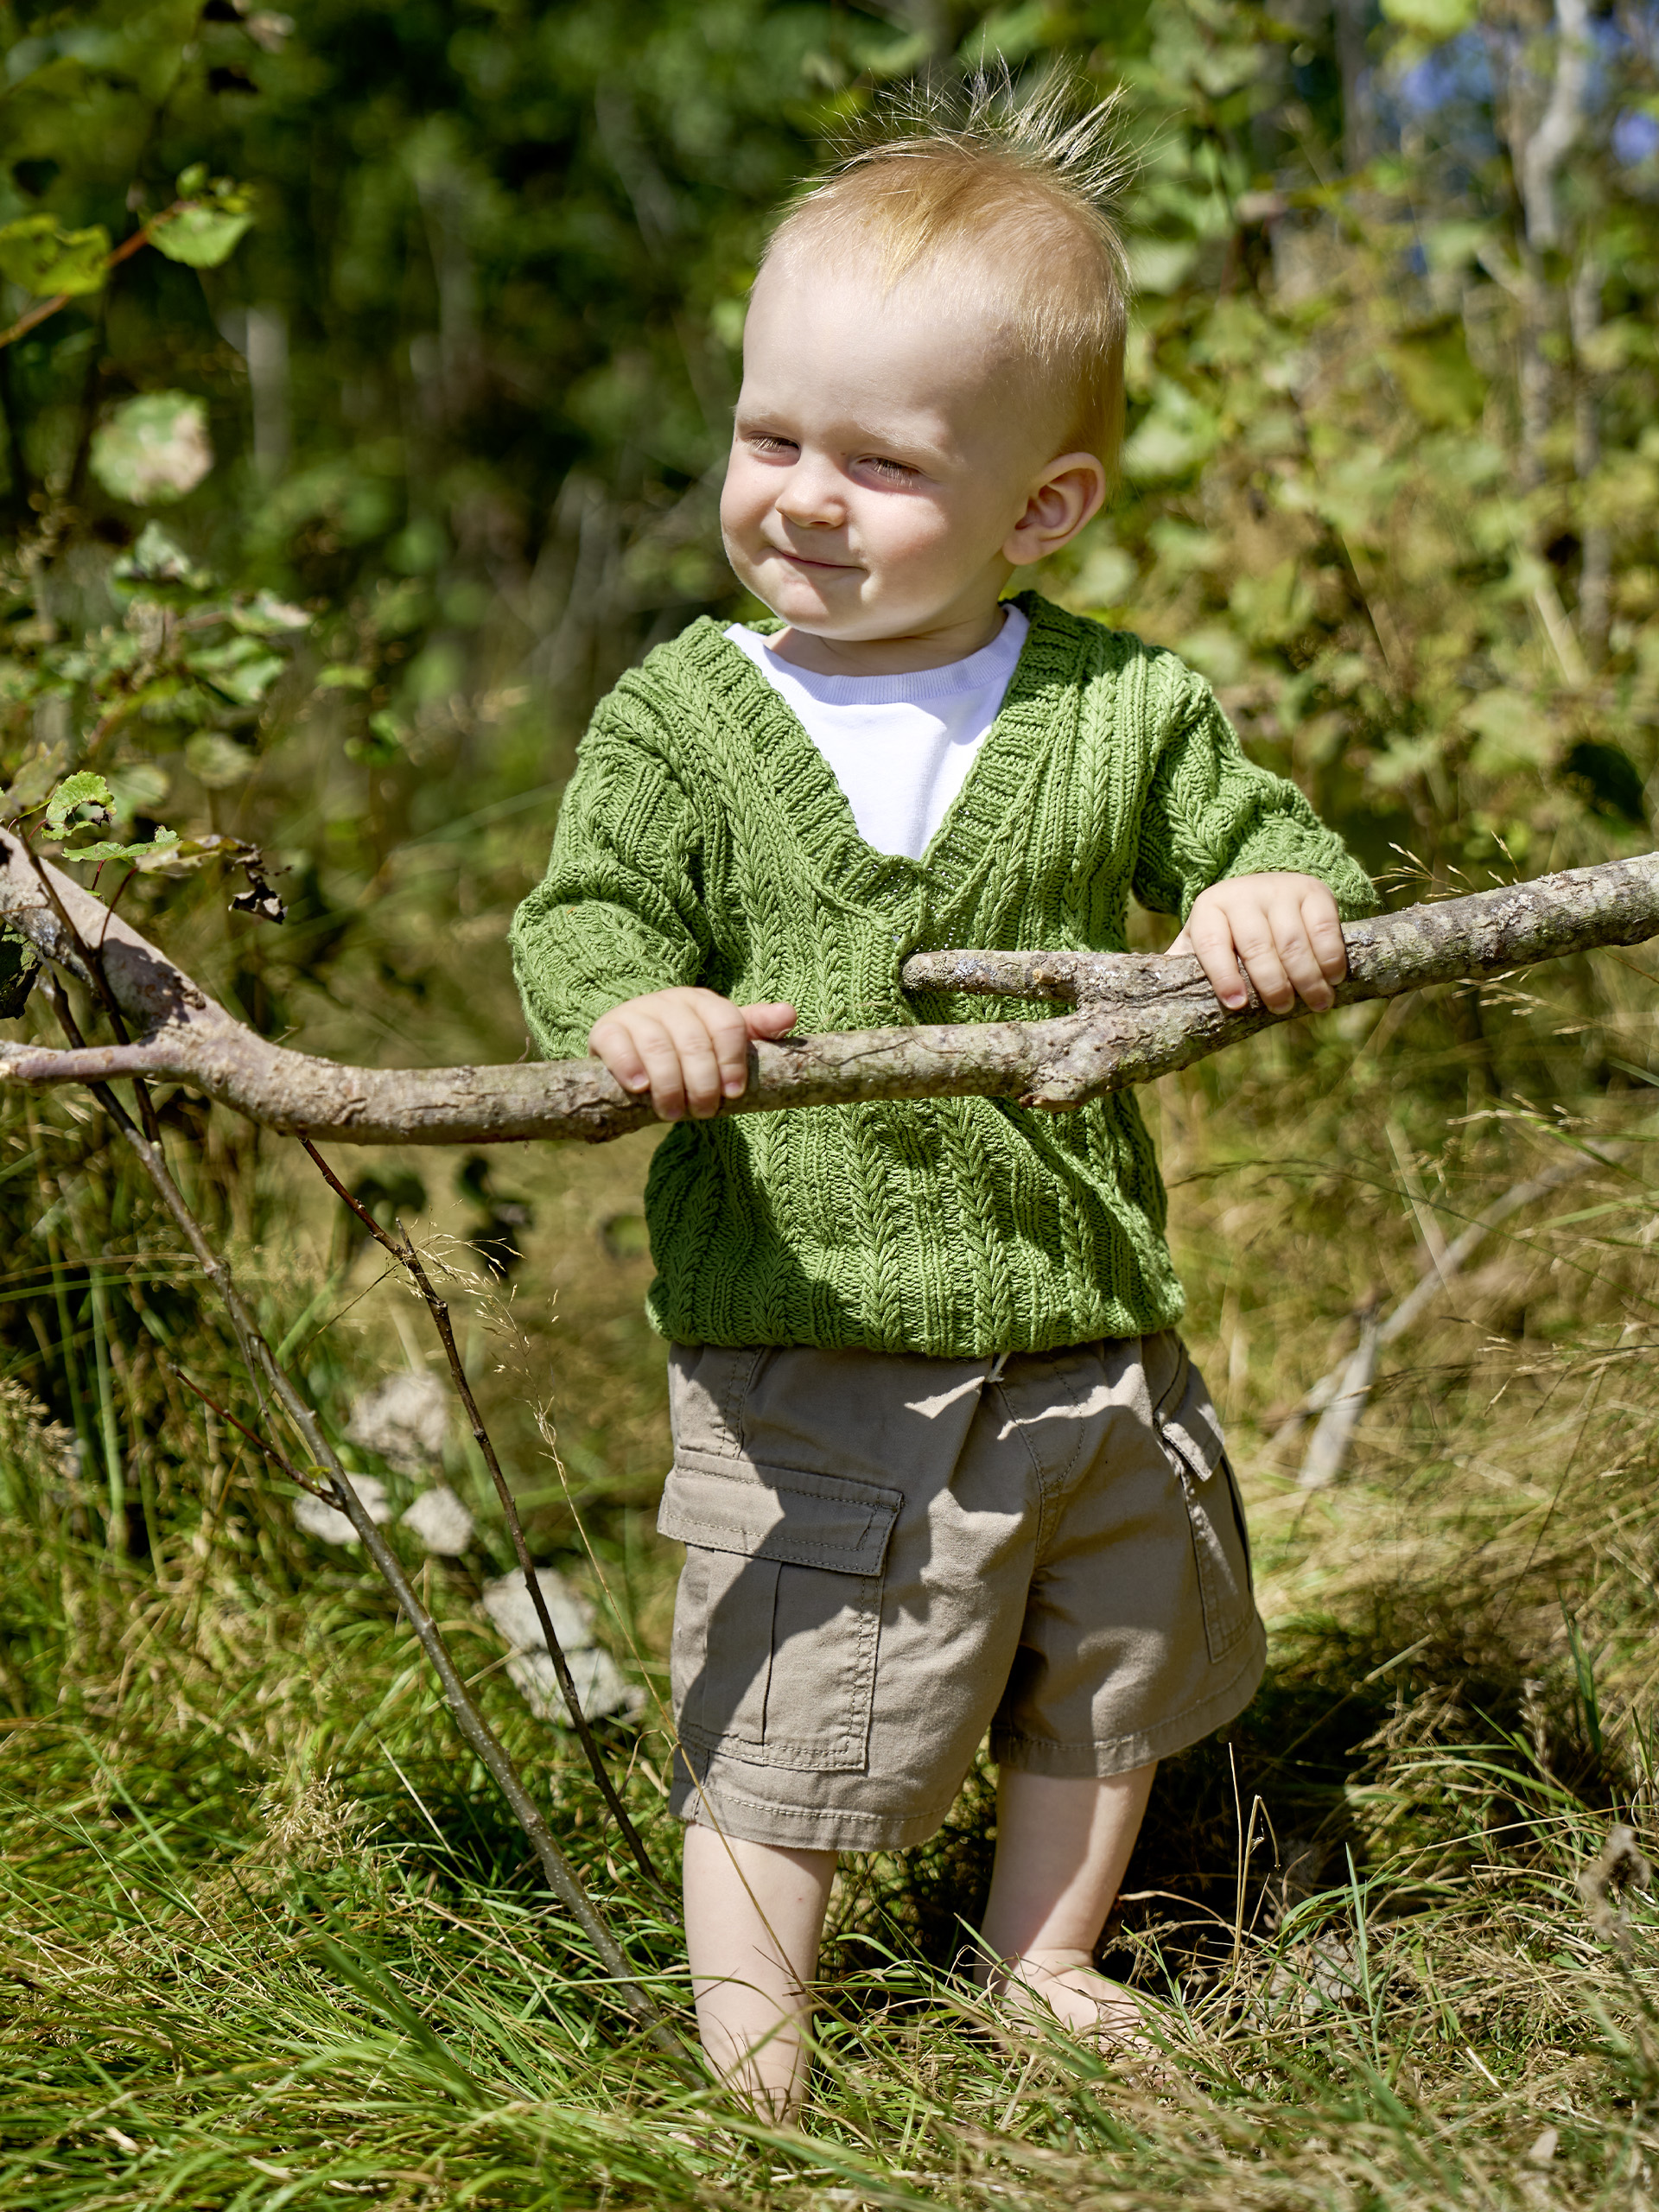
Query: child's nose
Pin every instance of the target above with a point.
(811, 497)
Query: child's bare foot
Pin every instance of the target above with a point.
(1066, 1986)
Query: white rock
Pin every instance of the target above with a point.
(513, 1614)
(328, 1523)
(405, 1419)
(440, 1521)
(600, 1685)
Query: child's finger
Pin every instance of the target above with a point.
(772, 1019)
(698, 1060)
(727, 1033)
(658, 1049)
(613, 1041)
(1266, 945)
(1324, 927)
(1211, 941)
(1296, 961)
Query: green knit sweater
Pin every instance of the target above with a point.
(705, 840)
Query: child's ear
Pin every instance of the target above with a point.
(1071, 492)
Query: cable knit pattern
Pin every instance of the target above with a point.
(704, 839)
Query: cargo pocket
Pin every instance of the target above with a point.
(779, 1613)
(1191, 1436)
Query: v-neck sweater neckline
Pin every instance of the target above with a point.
(810, 795)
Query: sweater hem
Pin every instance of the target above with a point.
(1061, 1333)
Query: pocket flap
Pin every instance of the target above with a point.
(1194, 1429)
(781, 1513)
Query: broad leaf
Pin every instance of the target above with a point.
(38, 253)
(155, 559)
(84, 788)
(201, 237)
(161, 847)
(1432, 19)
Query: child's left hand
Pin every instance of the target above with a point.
(1282, 930)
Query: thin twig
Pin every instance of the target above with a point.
(260, 1443)
(403, 1249)
(562, 1878)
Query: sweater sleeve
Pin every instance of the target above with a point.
(616, 914)
(1212, 813)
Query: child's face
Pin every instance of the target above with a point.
(882, 462)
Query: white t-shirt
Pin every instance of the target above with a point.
(900, 747)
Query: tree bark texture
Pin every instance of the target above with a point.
(1133, 1018)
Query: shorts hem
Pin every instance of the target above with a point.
(801, 1827)
(1123, 1754)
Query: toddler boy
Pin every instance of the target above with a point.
(941, 1462)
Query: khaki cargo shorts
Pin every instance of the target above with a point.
(885, 1555)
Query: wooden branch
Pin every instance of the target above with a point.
(1133, 1019)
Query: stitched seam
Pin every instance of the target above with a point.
(737, 1398)
(821, 1814)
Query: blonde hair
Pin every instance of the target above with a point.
(1018, 189)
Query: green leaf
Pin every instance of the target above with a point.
(153, 449)
(340, 677)
(264, 615)
(201, 238)
(38, 253)
(185, 856)
(243, 668)
(156, 559)
(1511, 735)
(207, 230)
(217, 760)
(161, 846)
(84, 788)
(1432, 19)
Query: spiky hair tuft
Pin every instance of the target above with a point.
(1015, 190)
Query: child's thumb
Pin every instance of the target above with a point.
(772, 1020)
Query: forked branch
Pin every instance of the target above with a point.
(1132, 1018)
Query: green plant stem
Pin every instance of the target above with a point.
(113, 1467)
(562, 1878)
(402, 1248)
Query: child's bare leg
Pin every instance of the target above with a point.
(1061, 1850)
(753, 1915)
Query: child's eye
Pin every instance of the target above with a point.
(896, 471)
(768, 444)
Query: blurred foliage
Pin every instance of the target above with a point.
(462, 389)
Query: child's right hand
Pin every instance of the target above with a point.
(689, 1046)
